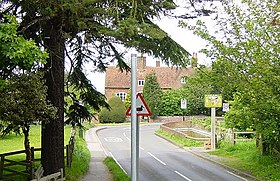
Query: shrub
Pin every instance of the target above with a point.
(116, 114)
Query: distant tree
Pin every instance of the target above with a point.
(22, 104)
(152, 94)
(170, 103)
(116, 113)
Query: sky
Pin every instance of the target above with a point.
(182, 36)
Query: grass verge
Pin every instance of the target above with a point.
(80, 163)
(115, 169)
(244, 156)
(185, 142)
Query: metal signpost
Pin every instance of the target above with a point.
(212, 101)
(138, 108)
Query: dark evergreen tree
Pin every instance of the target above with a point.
(152, 94)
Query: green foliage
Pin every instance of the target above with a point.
(171, 103)
(15, 51)
(116, 114)
(246, 69)
(152, 94)
(115, 169)
(127, 100)
(23, 103)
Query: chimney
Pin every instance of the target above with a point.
(141, 62)
(157, 63)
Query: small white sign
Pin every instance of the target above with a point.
(183, 104)
(225, 107)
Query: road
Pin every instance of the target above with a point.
(159, 160)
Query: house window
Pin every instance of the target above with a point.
(141, 82)
(121, 95)
(183, 80)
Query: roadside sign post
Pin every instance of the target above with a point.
(138, 108)
(212, 101)
(184, 106)
(134, 135)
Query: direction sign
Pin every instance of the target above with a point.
(142, 108)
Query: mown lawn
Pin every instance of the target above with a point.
(13, 142)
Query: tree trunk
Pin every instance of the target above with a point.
(27, 148)
(52, 156)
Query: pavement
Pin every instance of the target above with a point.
(99, 172)
(97, 169)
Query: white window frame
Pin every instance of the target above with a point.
(141, 82)
(121, 95)
(183, 80)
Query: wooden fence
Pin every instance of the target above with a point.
(27, 168)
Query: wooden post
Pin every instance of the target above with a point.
(213, 133)
(67, 156)
(2, 165)
(234, 137)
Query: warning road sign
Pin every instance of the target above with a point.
(142, 108)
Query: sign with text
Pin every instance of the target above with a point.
(213, 100)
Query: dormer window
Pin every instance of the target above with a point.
(141, 82)
(183, 80)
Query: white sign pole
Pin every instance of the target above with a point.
(213, 117)
(134, 134)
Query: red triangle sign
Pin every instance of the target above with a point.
(142, 108)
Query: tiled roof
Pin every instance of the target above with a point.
(167, 77)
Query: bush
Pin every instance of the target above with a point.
(116, 114)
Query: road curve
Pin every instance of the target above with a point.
(160, 160)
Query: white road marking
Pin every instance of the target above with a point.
(124, 134)
(156, 158)
(113, 139)
(117, 162)
(237, 175)
(183, 176)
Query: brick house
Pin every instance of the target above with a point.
(118, 83)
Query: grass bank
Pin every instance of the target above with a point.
(115, 169)
(242, 156)
(179, 140)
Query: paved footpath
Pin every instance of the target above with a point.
(97, 169)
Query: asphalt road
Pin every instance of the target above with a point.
(160, 160)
